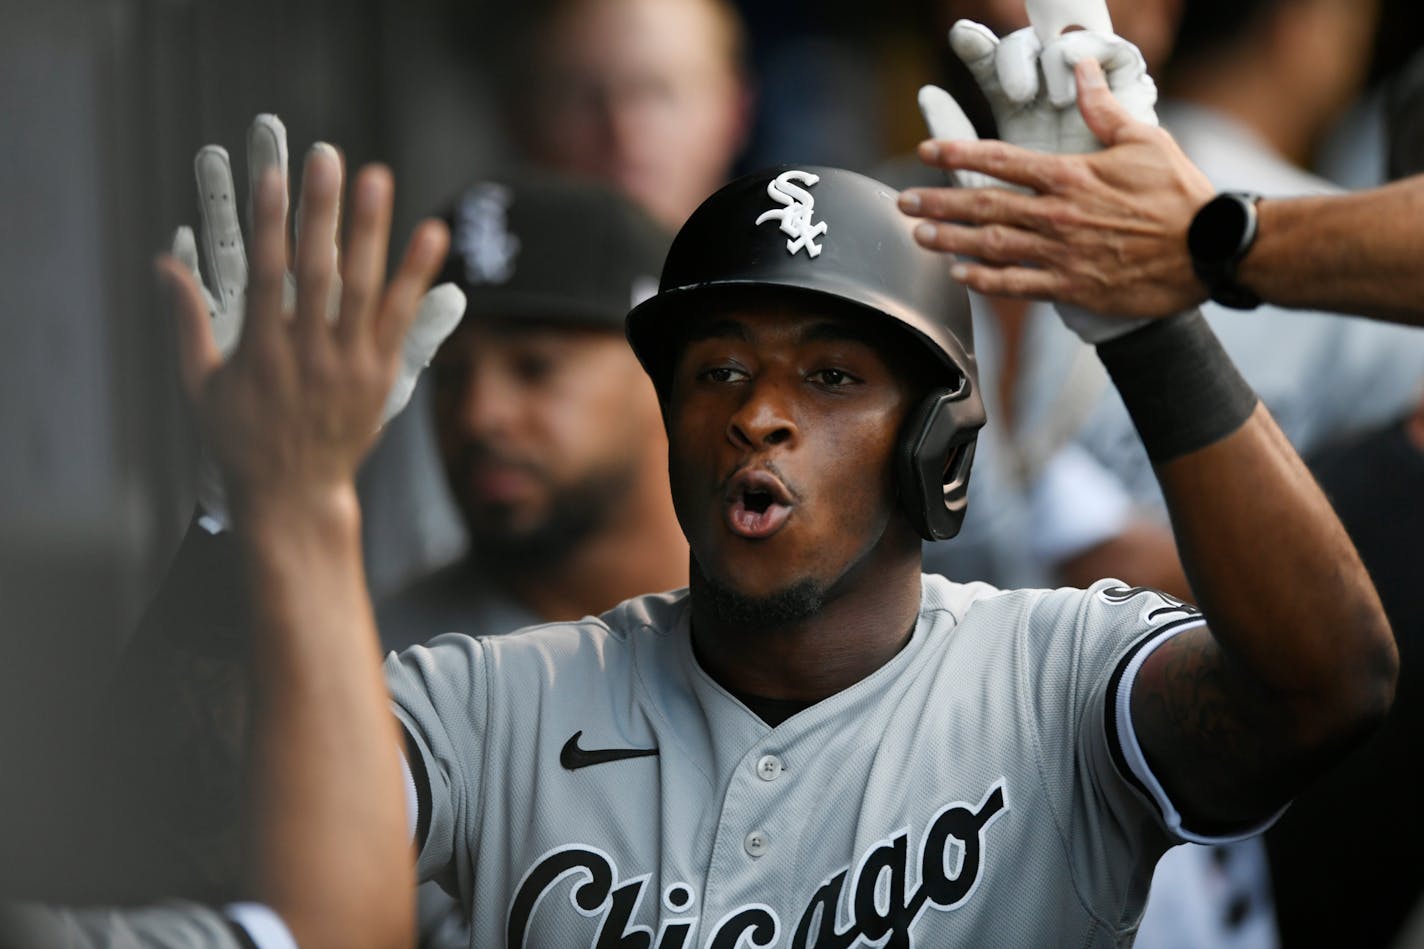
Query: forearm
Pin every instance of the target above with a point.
(1356, 253)
(1275, 574)
(326, 786)
(1299, 660)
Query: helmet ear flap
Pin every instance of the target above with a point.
(935, 454)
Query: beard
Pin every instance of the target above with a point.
(792, 604)
(576, 513)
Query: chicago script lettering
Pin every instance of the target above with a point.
(874, 903)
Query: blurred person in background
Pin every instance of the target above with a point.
(649, 96)
(550, 439)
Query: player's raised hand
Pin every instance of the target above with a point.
(224, 258)
(1103, 231)
(297, 403)
(1028, 79)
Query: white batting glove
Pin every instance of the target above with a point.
(1028, 80)
(225, 259)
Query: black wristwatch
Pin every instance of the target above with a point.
(1221, 234)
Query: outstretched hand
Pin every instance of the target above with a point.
(224, 258)
(1104, 231)
(290, 414)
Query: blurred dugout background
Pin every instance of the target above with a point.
(102, 104)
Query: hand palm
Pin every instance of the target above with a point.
(226, 300)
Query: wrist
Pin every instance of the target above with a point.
(326, 513)
(1178, 384)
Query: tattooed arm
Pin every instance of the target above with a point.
(1299, 662)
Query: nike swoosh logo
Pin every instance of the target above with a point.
(573, 757)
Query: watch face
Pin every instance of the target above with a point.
(1219, 229)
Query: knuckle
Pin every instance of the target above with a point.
(1061, 217)
(995, 241)
(1063, 175)
(983, 204)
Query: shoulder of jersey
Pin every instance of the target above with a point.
(944, 594)
(655, 613)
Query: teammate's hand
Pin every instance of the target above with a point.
(225, 259)
(299, 399)
(1031, 90)
(1105, 231)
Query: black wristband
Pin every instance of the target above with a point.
(1179, 385)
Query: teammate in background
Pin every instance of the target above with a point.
(810, 740)
(1109, 229)
(550, 436)
(650, 96)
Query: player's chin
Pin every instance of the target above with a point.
(757, 599)
(753, 567)
(505, 522)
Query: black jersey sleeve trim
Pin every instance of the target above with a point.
(415, 762)
(243, 939)
(1127, 753)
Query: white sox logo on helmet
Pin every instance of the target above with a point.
(878, 901)
(795, 217)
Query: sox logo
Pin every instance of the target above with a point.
(795, 217)
(872, 901)
(482, 236)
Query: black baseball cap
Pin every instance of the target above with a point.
(537, 246)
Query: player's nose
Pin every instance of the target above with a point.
(764, 418)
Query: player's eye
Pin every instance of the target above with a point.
(533, 367)
(832, 378)
(722, 374)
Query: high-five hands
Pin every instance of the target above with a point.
(225, 297)
(291, 375)
(1030, 82)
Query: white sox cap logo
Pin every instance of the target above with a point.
(482, 237)
(795, 217)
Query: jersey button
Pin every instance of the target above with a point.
(769, 767)
(757, 843)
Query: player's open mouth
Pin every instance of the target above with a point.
(758, 504)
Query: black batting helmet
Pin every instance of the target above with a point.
(834, 235)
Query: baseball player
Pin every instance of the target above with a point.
(813, 744)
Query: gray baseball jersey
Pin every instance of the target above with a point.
(588, 784)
